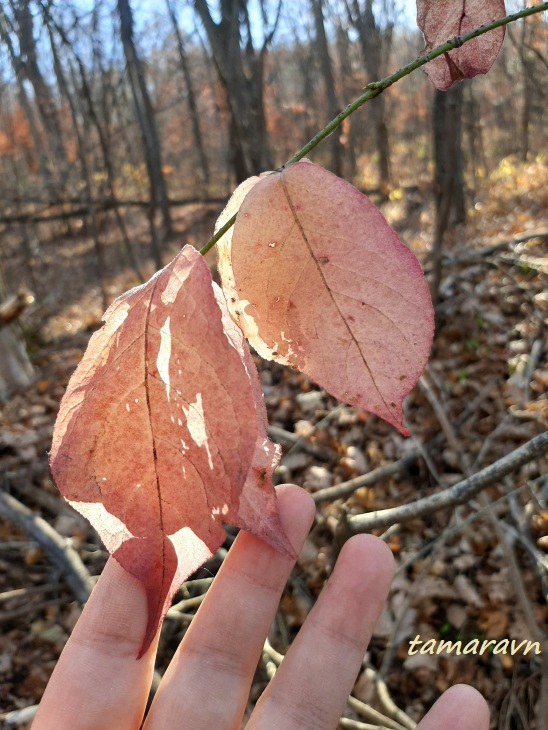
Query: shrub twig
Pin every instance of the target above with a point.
(377, 87)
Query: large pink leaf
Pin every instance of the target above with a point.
(161, 435)
(317, 279)
(441, 20)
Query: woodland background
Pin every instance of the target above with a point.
(123, 130)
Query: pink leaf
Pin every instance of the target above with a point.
(441, 21)
(161, 435)
(317, 279)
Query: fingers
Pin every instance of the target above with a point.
(459, 708)
(208, 680)
(315, 678)
(97, 682)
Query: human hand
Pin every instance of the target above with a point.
(99, 685)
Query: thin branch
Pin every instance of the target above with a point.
(319, 452)
(387, 703)
(16, 718)
(303, 441)
(272, 660)
(448, 533)
(57, 548)
(377, 87)
(366, 480)
(470, 255)
(445, 422)
(458, 494)
(346, 723)
(17, 593)
(372, 715)
(81, 211)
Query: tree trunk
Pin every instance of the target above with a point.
(84, 167)
(191, 97)
(329, 84)
(447, 151)
(45, 104)
(370, 39)
(348, 137)
(18, 69)
(103, 144)
(16, 371)
(146, 121)
(240, 72)
(474, 134)
(525, 116)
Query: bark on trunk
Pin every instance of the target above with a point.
(240, 71)
(16, 371)
(447, 151)
(92, 117)
(44, 100)
(86, 177)
(348, 137)
(329, 84)
(370, 39)
(18, 69)
(191, 98)
(146, 121)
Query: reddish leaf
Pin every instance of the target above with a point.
(161, 435)
(317, 279)
(441, 21)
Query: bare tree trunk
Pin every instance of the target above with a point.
(241, 74)
(219, 119)
(147, 125)
(348, 138)
(459, 202)
(16, 370)
(370, 39)
(306, 74)
(18, 69)
(329, 84)
(191, 97)
(525, 116)
(45, 104)
(86, 177)
(103, 144)
(446, 127)
(474, 133)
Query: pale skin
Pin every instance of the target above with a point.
(99, 685)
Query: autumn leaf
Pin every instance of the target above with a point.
(316, 279)
(161, 435)
(441, 21)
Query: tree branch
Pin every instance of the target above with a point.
(377, 87)
(458, 494)
(57, 549)
(81, 210)
(366, 480)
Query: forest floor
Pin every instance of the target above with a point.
(486, 394)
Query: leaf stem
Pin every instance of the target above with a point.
(377, 87)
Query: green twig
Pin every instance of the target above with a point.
(374, 89)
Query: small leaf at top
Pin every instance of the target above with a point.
(318, 280)
(161, 434)
(441, 21)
